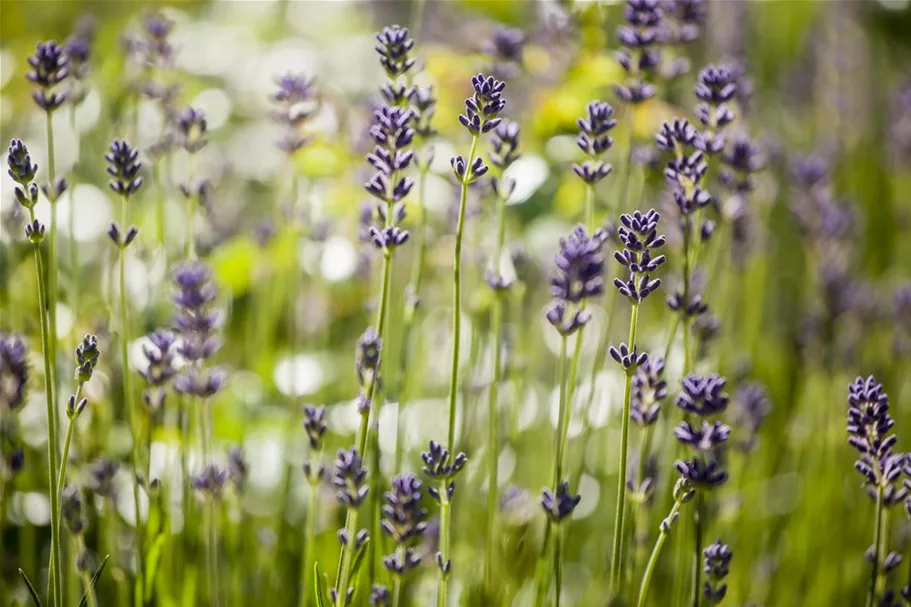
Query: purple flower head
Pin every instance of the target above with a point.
(483, 108)
(869, 426)
(560, 504)
(86, 355)
(367, 357)
(380, 596)
(392, 134)
(505, 144)
(742, 158)
(72, 510)
(49, 67)
(315, 425)
(404, 519)
(639, 235)
(123, 167)
(649, 388)
(238, 469)
(640, 55)
(506, 45)
(684, 20)
(715, 88)
(210, 481)
(159, 354)
(423, 106)
(295, 105)
(703, 395)
(394, 48)
(101, 477)
(703, 438)
(348, 477)
(751, 407)
(21, 168)
(439, 465)
(195, 321)
(702, 474)
(580, 266)
(628, 359)
(594, 128)
(192, 127)
(78, 50)
(717, 564)
(13, 371)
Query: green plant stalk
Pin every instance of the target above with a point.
(396, 590)
(212, 540)
(190, 251)
(410, 317)
(157, 170)
(656, 552)
(74, 249)
(616, 561)
(129, 405)
(445, 506)
(577, 350)
(697, 549)
(61, 478)
(352, 515)
(493, 425)
(445, 550)
(307, 558)
(558, 563)
(51, 412)
(877, 540)
(90, 598)
(49, 299)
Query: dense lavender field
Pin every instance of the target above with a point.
(507, 303)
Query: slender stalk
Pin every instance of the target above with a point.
(157, 174)
(49, 299)
(49, 388)
(687, 237)
(697, 549)
(562, 421)
(445, 511)
(877, 539)
(61, 478)
(190, 251)
(307, 558)
(410, 317)
(616, 561)
(129, 405)
(396, 590)
(212, 539)
(74, 250)
(90, 598)
(457, 297)
(558, 563)
(664, 531)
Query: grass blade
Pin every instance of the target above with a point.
(95, 576)
(318, 586)
(31, 589)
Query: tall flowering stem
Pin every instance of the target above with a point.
(869, 429)
(191, 135)
(315, 427)
(423, 105)
(123, 167)
(481, 116)
(639, 235)
(683, 492)
(505, 151)
(23, 170)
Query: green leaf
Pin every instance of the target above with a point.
(359, 560)
(317, 586)
(95, 576)
(152, 558)
(31, 589)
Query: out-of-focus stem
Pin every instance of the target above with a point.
(74, 250)
(307, 558)
(664, 531)
(877, 539)
(616, 561)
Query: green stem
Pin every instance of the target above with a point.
(493, 437)
(877, 539)
(616, 561)
(665, 530)
(52, 425)
(396, 590)
(212, 540)
(307, 558)
(457, 298)
(410, 317)
(90, 598)
(562, 421)
(157, 169)
(49, 299)
(558, 563)
(74, 249)
(445, 550)
(129, 406)
(697, 544)
(191, 211)
(61, 478)
(687, 361)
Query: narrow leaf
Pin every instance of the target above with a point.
(317, 586)
(31, 589)
(95, 576)
(152, 558)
